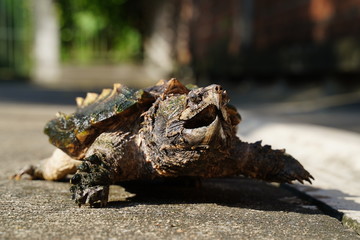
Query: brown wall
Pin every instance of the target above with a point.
(237, 37)
(317, 21)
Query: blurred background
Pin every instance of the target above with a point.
(299, 58)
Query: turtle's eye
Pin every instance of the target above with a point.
(195, 98)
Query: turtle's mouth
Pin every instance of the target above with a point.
(204, 118)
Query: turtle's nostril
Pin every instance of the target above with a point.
(218, 88)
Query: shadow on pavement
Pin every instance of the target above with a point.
(231, 192)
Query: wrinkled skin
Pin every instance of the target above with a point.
(184, 133)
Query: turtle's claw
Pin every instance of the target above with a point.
(27, 170)
(90, 184)
(293, 170)
(90, 195)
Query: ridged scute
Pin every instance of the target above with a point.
(112, 109)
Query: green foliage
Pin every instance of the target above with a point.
(128, 46)
(15, 39)
(98, 31)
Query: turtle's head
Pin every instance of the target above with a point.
(205, 117)
(190, 128)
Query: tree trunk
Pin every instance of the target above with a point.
(46, 42)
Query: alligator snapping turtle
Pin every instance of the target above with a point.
(167, 130)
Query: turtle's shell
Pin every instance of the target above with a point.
(119, 108)
(75, 132)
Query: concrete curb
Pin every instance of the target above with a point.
(332, 156)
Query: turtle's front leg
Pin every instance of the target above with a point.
(262, 162)
(54, 168)
(91, 182)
